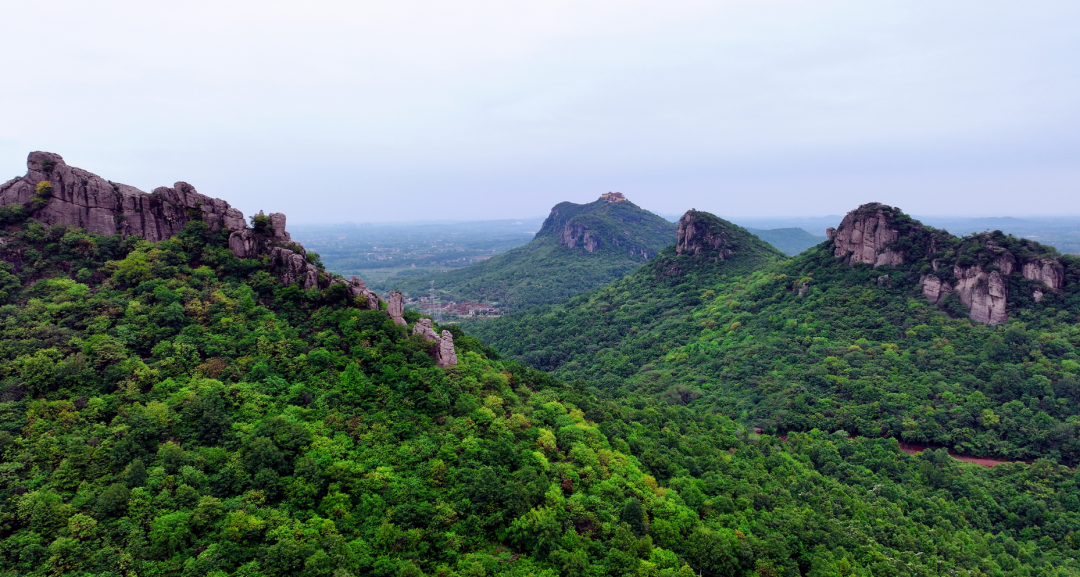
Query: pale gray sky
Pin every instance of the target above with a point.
(368, 111)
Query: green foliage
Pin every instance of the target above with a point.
(608, 334)
(180, 414)
(260, 223)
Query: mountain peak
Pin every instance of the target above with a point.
(866, 235)
(611, 223)
(987, 273)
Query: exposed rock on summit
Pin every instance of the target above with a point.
(698, 233)
(866, 235)
(982, 268)
(55, 193)
(83, 199)
(395, 307)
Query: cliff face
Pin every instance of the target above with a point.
(79, 198)
(976, 269)
(445, 356)
(865, 236)
(698, 233)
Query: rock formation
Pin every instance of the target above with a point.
(83, 199)
(396, 308)
(865, 236)
(423, 327)
(445, 356)
(696, 235)
(872, 233)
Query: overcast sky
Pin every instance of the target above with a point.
(376, 111)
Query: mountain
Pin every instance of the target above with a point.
(189, 407)
(790, 241)
(891, 328)
(607, 334)
(579, 247)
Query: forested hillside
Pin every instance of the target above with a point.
(823, 341)
(608, 334)
(169, 409)
(578, 248)
(172, 409)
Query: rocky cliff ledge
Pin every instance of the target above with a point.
(54, 193)
(979, 270)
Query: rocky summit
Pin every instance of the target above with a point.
(983, 272)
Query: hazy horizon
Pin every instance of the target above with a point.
(481, 110)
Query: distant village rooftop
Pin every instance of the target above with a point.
(613, 196)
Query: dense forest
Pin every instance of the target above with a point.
(578, 248)
(170, 409)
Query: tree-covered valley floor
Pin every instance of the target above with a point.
(169, 409)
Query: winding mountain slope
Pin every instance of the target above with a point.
(190, 408)
(579, 247)
(607, 334)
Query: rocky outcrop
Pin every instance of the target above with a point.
(54, 193)
(1047, 271)
(445, 356)
(82, 199)
(424, 328)
(697, 234)
(865, 236)
(396, 308)
(872, 233)
(576, 234)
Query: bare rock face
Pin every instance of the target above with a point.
(984, 293)
(83, 199)
(865, 236)
(358, 290)
(396, 308)
(423, 327)
(79, 198)
(447, 355)
(695, 236)
(1047, 271)
(934, 289)
(575, 234)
